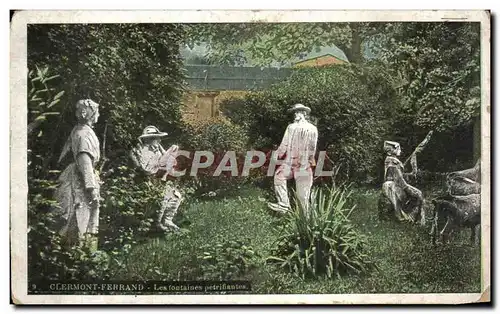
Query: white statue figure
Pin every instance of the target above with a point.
(155, 160)
(298, 147)
(78, 192)
(402, 199)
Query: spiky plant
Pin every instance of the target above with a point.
(320, 240)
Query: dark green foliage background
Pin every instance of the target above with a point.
(134, 71)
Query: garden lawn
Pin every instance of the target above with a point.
(407, 261)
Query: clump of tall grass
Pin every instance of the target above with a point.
(320, 240)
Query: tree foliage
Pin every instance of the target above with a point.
(438, 71)
(436, 66)
(132, 70)
(268, 43)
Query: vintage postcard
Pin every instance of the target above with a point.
(250, 157)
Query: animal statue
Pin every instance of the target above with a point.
(453, 213)
(465, 182)
(460, 207)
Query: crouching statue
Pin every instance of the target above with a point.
(460, 207)
(398, 198)
(159, 163)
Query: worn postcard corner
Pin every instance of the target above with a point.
(250, 157)
(485, 295)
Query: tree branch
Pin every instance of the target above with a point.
(104, 159)
(413, 156)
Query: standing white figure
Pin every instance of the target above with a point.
(155, 160)
(78, 192)
(298, 147)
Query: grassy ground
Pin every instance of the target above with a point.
(407, 261)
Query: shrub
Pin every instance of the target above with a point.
(227, 260)
(131, 203)
(351, 106)
(48, 257)
(218, 136)
(324, 242)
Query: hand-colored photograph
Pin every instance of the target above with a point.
(254, 158)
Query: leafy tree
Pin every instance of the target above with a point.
(435, 67)
(265, 43)
(438, 71)
(134, 71)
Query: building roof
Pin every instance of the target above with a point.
(319, 52)
(201, 50)
(246, 77)
(215, 78)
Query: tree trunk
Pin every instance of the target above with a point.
(353, 52)
(356, 55)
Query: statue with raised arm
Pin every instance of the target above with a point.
(298, 148)
(78, 192)
(151, 157)
(398, 197)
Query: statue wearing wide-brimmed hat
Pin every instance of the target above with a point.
(155, 160)
(298, 148)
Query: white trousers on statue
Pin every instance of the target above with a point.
(171, 201)
(303, 183)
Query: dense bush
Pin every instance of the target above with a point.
(323, 242)
(217, 136)
(48, 255)
(50, 259)
(130, 206)
(439, 71)
(351, 107)
(128, 212)
(436, 68)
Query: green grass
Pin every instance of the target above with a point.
(407, 261)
